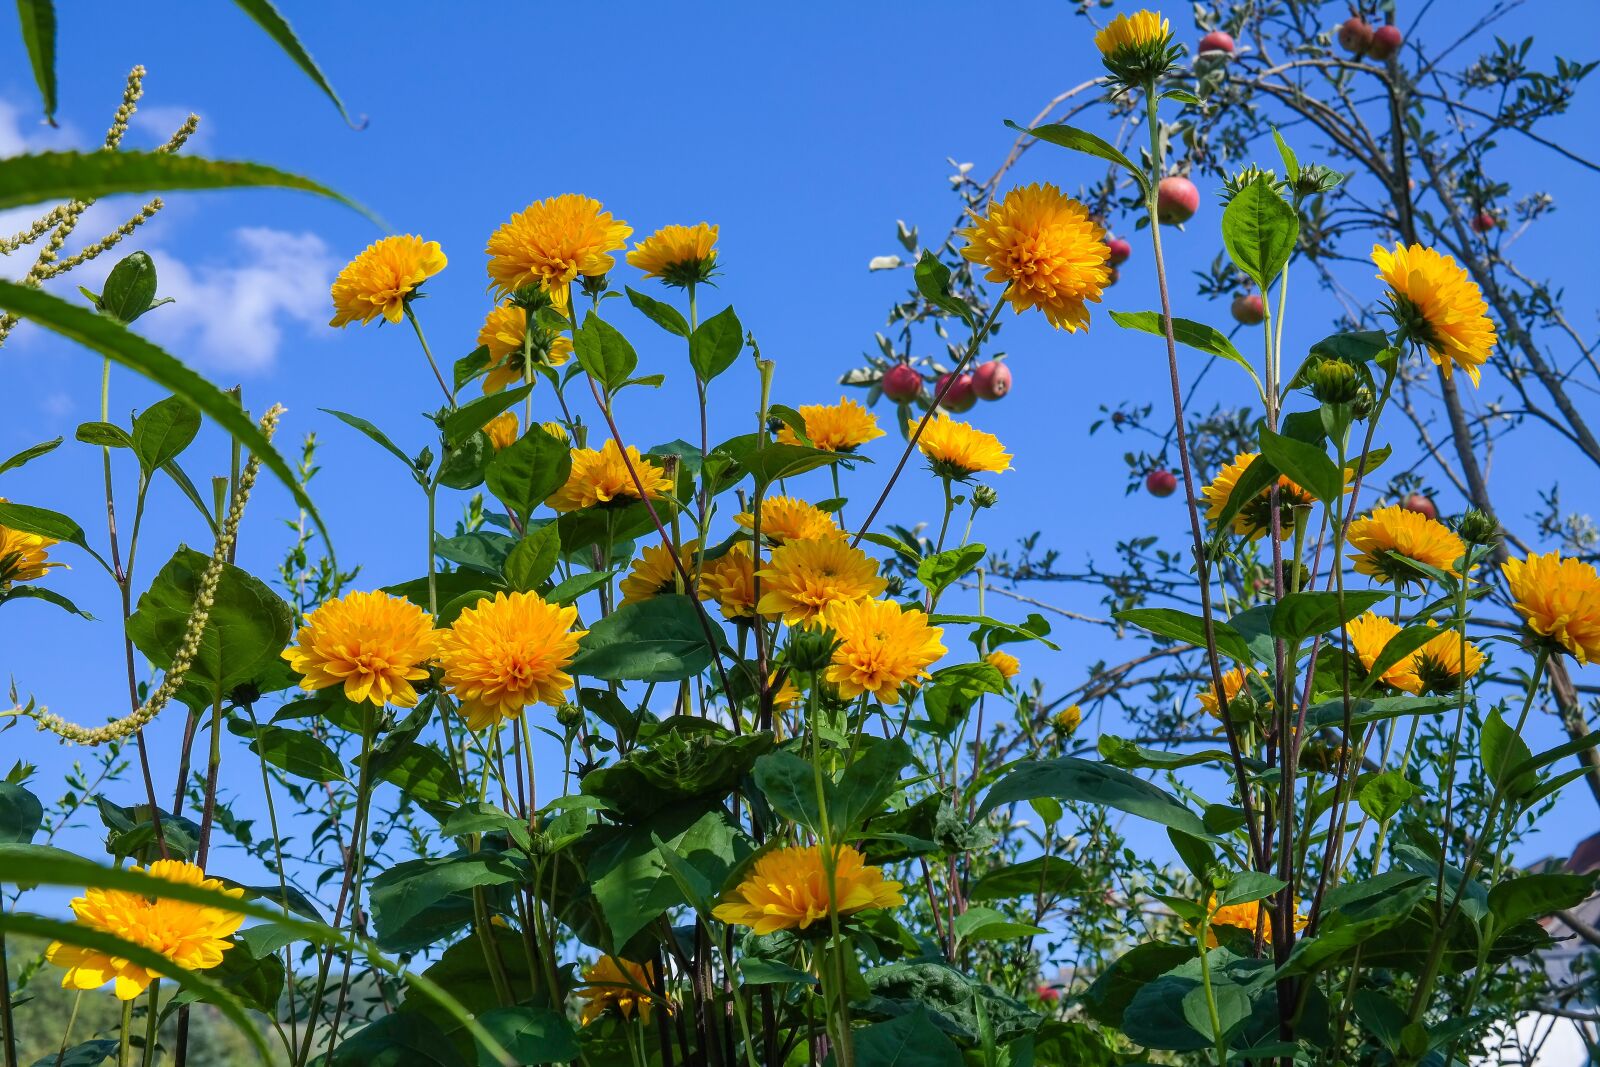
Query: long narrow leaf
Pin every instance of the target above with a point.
(116, 342)
(267, 17)
(38, 19)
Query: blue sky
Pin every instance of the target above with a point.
(803, 132)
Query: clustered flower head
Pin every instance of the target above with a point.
(841, 427)
(1247, 916)
(600, 476)
(373, 644)
(1004, 662)
(383, 277)
(1254, 519)
(805, 578)
(654, 574)
(1438, 306)
(193, 936)
(1067, 720)
(787, 518)
(507, 653)
(788, 889)
(616, 984)
(881, 648)
(1235, 683)
(1137, 48)
(553, 242)
(730, 581)
(505, 335)
(1559, 601)
(503, 430)
(957, 450)
(1046, 249)
(1394, 530)
(680, 256)
(24, 557)
(1441, 665)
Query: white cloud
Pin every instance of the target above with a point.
(232, 314)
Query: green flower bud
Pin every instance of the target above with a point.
(1478, 528)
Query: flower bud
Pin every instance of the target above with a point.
(984, 497)
(1333, 381)
(594, 285)
(1478, 528)
(1362, 406)
(811, 650)
(1067, 720)
(569, 715)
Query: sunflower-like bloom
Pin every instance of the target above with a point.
(1435, 300)
(805, 578)
(1395, 530)
(1048, 251)
(1446, 662)
(958, 450)
(24, 557)
(383, 277)
(1246, 917)
(1004, 662)
(730, 580)
(1254, 520)
(1368, 636)
(1559, 600)
(788, 694)
(503, 430)
(192, 936)
(787, 518)
(787, 889)
(841, 427)
(678, 255)
(654, 574)
(1233, 683)
(552, 242)
(601, 477)
(621, 984)
(881, 647)
(556, 430)
(507, 653)
(1067, 720)
(1136, 47)
(373, 644)
(503, 334)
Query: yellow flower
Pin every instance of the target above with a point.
(192, 936)
(553, 241)
(788, 694)
(503, 333)
(1138, 30)
(373, 644)
(806, 577)
(1368, 636)
(1232, 682)
(653, 573)
(841, 427)
(1440, 663)
(1394, 529)
(23, 556)
(678, 255)
(1004, 662)
(1559, 599)
(601, 477)
(556, 430)
(958, 450)
(507, 653)
(1046, 249)
(1439, 305)
(1246, 917)
(1068, 719)
(503, 430)
(881, 648)
(620, 984)
(788, 889)
(382, 278)
(1255, 518)
(730, 580)
(787, 518)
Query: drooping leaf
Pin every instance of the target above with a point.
(933, 282)
(1195, 335)
(31, 453)
(37, 19)
(21, 814)
(1085, 142)
(1182, 626)
(267, 17)
(1070, 778)
(38, 177)
(659, 312)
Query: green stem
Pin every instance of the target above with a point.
(151, 1019)
(449, 397)
(1218, 1037)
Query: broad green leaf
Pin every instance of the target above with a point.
(461, 423)
(267, 17)
(657, 640)
(403, 892)
(1306, 465)
(1502, 752)
(119, 344)
(163, 430)
(1534, 896)
(986, 924)
(1190, 629)
(470, 366)
(1245, 886)
(37, 19)
(421, 773)
(631, 881)
(524, 474)
(1087, 143)
(790, 785)
(21, 814)
(604, 353)
(1130, 756)
(103, 434)
(1070, 778)
(756, 971)
(659, 312)
(293, 751)
(23, 591)
(1046, 876)
(46, 523)
(938, 571)
(30, 453)
(869, 779)
(912, 1040)
(532, 1034)
(39, 177)
(1383, 795)
(401, 1039)
(715, 344)
(1033, 628)
(1311, 612)
(533, 559)
(1259, 229)
(1291, 165)
(1195, 335)
(933, 282)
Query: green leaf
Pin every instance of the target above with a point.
(470, 366)
(1046, 876)
(773, 461)
(21, 814)
(655, 640)
(293, 751)
(986, 924)
(1383, 795)
(1260, 229)
(631, 881)
(119, 344)
(912, 1040)
(130, 288)
(1087, 143)
(869, 779)
(267, 17)
(659, 312)
(715, 344)
(421, 773)
(46, 594)
(1503, 751)
(1190, 629)
(465, 466)
(565, 592)
(374, 434)
(933, 282)
(163, 430)
(940, 570)
(1306, 465)
(1245, 886)
(401, 894)
(756, 971)
(46, 523)
(103, 434)
(1534, 896)
(604, 353)
(1398, 647)
(1033, 628)
(524, 473)
(38, 23)
(789, 785)
(532, 1035)
(1130, 756)
(1310, 612)
(1195, 335)
(29, 454)
(1070, 778)
(466, 420)
(534, 558)
(402, 1039)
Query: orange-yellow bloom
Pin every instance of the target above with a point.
(1558, 599)
(787, 518)
(807, 577)
(730, 580)
(1004, 662)
(1414, 536)
(503, 430)
(1246, 917)
(373, 644)
(552, 242)
(653, 574)
(24, 557)
(382, 278)
(1048, 251)
(841, 427)
(601, 477)
(882, 647)
(787, 889)
(1255, 518)
(507, 653)
(1439, 304)
(1233, 682)
(958, 450)
(503, 334)
(616, 983)
(678, 255)
(1368, 636)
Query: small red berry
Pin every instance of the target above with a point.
(1049, 993)
(901, 383)
(1355, 35)
(1120, 251)
(1248, 309)
(960, 396)
(1422, 505)
(992, 380)
(1386, 41)
(1483, 222)
(1161, 482)
(1176, 200)
(1217, 41)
